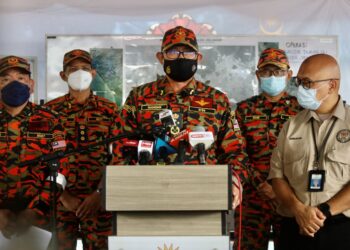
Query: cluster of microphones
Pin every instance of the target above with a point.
(165, 139)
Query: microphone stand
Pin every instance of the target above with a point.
(53, 164)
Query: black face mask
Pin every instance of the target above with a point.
(15, 94)
(181, 69)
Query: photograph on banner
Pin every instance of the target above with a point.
(108, 82)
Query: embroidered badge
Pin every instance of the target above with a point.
(343, 135)
(39, 126)
(202, 102)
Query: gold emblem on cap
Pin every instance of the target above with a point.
(273, 54)
(77, 52)
(12, 61)
(180, 33)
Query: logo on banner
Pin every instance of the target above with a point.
(168, 248)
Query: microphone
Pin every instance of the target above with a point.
(162, 149)
(166, 118)
(201, 141)
(181, 136)
(129, 150)
(181, 152)
(144, 151)
(180, 141)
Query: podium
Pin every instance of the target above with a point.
(169, 207)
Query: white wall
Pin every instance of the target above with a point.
(23, 27)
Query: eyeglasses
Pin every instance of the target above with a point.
(175, 54)
(307, 82)
(268, 73)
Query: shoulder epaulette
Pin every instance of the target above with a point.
(47, 110)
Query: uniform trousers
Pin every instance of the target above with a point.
(334, 235)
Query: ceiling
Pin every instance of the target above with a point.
(109, 6)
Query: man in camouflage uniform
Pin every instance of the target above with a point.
(87, 119)
(27, 131)
(261, 118)
(193, 104)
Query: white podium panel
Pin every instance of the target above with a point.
(169, 243)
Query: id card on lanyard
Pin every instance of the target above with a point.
(317, 176)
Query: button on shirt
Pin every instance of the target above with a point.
(294, 155)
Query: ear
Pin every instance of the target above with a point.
(63, 76)
(93, 73)
(290, 74)
(200, 57)
(31, 85)
(257, 76)
(333, 84)
(160, 57)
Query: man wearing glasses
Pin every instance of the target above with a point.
(313, 147)
(261, 118)
(193, 105)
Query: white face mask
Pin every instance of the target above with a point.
(307, 98)
(80, 80)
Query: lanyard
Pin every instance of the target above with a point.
(317, 160)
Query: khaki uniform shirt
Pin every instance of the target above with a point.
(294, 155)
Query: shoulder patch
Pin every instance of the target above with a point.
(343, 136)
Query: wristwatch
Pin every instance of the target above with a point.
(325, 209)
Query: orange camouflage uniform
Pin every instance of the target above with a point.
(195, 105)
(26, 136)
(85, 124)
(260, 121)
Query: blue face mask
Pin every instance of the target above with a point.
(272, 85)
(15, 94)
(307, 98)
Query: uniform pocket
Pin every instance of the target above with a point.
(39, 142)
(295, 163)
(97, 129)
(338, 163)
